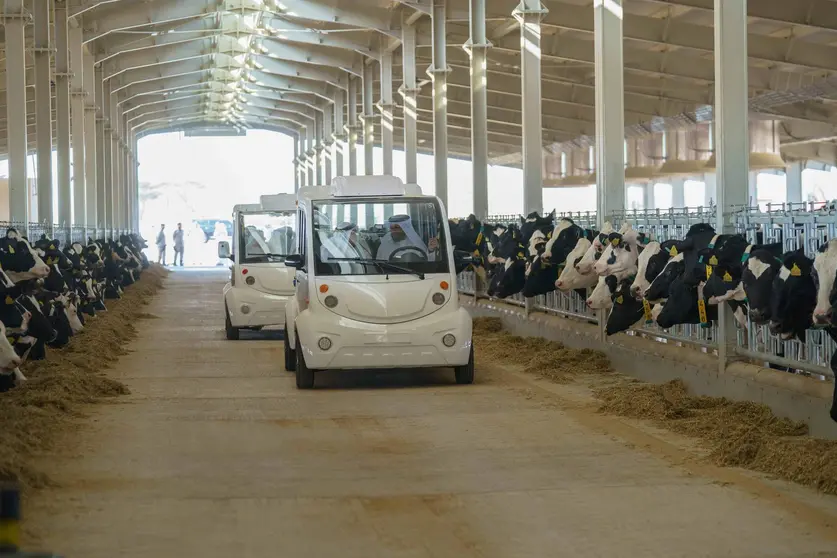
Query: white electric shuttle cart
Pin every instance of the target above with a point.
(375, 282)
(264, 235)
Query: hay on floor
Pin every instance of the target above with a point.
(34, 415)
(737, 433)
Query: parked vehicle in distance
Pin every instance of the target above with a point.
(375, 282)
(260, 283)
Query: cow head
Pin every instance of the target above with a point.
(825, 273)
(602, 295)
(681, 306)
(793, 296)
(585, 265)
(626, 310)
(673, 269)
(570, 278)
(9, 359)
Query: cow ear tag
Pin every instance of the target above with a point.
(713, 260)
(620, 300)
(673, 251)
(11, 250)
(708, 271)
(795, 271)
(9, 300)
(646, 307)
(727, 277)
(615, 242)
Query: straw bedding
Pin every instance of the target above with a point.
(737, 434)
(34, 415)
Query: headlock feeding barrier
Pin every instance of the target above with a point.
(797, 226)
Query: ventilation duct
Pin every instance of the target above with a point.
(764, 146)
(552, 168)
(644, 156)
(579, 170)
(687, 151)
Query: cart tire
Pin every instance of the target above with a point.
(304, 375)
(232, 332)
(465, 374)
(290, 354)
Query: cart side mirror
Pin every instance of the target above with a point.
(295, 261)
(224, 250)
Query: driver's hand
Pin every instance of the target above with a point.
(433, 244)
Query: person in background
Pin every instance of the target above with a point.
(177, 236)
(161, 245)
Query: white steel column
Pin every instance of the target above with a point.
(368, 120)
(678, 192)
(318, 147)
(16, 139)
(793, 176)
(732, 150)
(116, 162)
(710, 195)
(101, 210)
(339, 134)
(135, 174)
(107, 149)
(753, 188)
(310, 153)
(77, 126)
(352, 128)
(328, 141)
(43, 109)
(89, 80)
(62, 115)
(477, 46)
(648, 197)
(438, 72)
(610, 109)
(409, 92)
(296, 164)
(386, 106)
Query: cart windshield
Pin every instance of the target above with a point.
(268, 236)
(377, 237)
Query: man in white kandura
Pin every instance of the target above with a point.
(402, 235)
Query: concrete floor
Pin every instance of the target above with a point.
(216, 453)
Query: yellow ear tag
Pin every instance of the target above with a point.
(10, 340)
(727, 277)
(673, 251)
(646, 306)
(52, 246)
(795, 271)
(713, 260)
(620, 300)
(702, 311)
(11, 250)
(9, 300)
(708, 271)
(520, 255)
(615, 242)
(479, 239)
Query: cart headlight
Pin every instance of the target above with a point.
(438, 299)
(324, 343)
(250, 280)
(330, 301)
(449, 340)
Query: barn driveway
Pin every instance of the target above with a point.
(216, 454)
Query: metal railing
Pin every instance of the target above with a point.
(800, 225)
(65, 234)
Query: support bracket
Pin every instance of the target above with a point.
(521, 11)
(433, 72)
(470, 46)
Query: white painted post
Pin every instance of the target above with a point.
(793, 175)
(43, 109)
(731, 135)
(409, 92)
(438, 72)
(477, 46)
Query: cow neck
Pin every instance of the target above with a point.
(746, 255)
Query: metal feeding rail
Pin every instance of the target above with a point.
(797, 225)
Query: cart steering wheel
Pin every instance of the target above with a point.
(412, 250)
